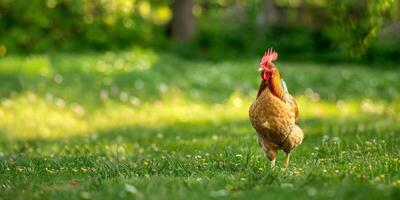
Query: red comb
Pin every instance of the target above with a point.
(269, 57)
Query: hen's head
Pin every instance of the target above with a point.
(267, 68)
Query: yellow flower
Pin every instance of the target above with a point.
(296, 173)
(20, 169)
(239, 156)
(49, 170)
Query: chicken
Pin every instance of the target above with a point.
(274, 113)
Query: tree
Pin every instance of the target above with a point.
(268, 16)
(357, 23)
(183, 25)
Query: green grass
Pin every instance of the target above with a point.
(148, 125)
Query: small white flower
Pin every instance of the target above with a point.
(325, 138)
(58, 78)
(131, 189)
(124, 96)
(60, 103)
(163, 87)
(134, 101)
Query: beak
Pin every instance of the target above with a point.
(260, 69)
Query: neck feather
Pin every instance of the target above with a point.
(262, 87)
(275, 85)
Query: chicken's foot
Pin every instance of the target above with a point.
(287, 160)
(273, 163)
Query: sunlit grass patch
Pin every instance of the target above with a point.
(109, 63)
(33, 65)
(32, 116)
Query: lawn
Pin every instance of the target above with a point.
(142, 124)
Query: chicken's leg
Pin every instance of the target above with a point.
(270, 152)
(273, 163)
(287, 160)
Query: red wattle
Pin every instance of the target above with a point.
(266, 76)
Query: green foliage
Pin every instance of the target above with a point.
(45, 25)
(357, 23)
(305, 29)
(307, 32)
(140, 124)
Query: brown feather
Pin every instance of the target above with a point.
(277, 90)
(275, 85)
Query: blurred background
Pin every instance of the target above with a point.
(72, 67)
(117, 93)
(318, 30)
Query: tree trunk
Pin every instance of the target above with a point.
(183, 20)
(268, 16)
